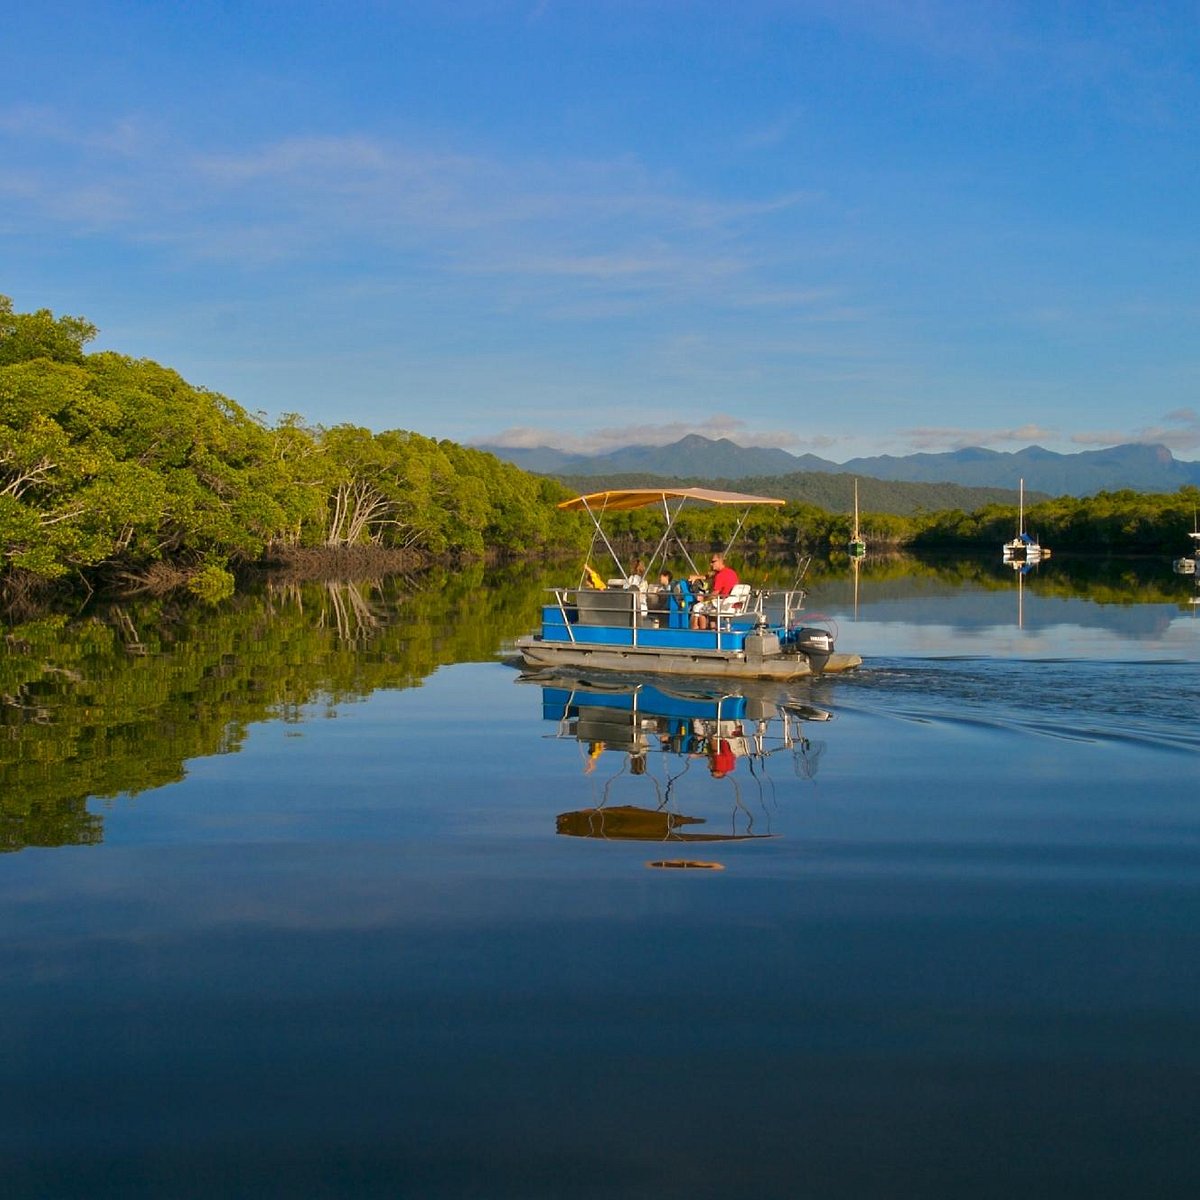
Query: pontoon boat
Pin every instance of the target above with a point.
(618, 625)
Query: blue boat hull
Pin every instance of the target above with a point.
(740, 652)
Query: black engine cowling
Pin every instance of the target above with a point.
(815, 644)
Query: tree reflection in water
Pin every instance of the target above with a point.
(118, 702)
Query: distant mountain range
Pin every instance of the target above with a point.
(1142, 468)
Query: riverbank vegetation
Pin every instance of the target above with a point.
(118, 474)
(1117, 522)
(116, 470)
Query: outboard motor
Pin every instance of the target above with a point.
(815, 644)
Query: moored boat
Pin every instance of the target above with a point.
(752, 634)
(1190, 564)
(1023, 548)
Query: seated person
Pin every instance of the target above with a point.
(635, 581)
(658, 596)
(724, 579)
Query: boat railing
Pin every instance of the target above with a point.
(624, 608)
(562, 601)
(787, 602)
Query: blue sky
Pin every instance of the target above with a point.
(840, 227)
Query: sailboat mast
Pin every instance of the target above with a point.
(857, 546)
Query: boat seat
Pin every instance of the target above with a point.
(613, 606)
(681, 604)
(735, 602)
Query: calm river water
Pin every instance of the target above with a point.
(310, 896)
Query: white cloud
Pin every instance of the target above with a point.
(597, 441)
(626, 265)
(1184, 416)
(394, 185)
(945, 438)
(127, 137)
(1180, 431)
(568, 239)
(773, 134)
(313, 158)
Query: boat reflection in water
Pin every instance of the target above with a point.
(1022, 569)
(668, 742)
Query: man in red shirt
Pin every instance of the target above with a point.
(723, 581)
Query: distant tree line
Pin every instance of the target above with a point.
(1117, 522)
(1120, 522)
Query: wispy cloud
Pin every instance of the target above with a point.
(391, 183)
(773, 134)
(943, 438)
(613, 225)
(1180, 430)
(719, 425)
(1121, 61)
(128, 136)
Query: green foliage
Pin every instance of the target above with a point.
(211, 583)
(400, 489)
(110, 465)
(25, 336)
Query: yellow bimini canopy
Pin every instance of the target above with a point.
(623, 499)
(598, 504)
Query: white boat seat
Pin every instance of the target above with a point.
(735, 602)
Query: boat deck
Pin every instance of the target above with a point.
(606, 630)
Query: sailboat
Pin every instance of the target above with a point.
(857, 547)
(1023, 548)
(1191, 566)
